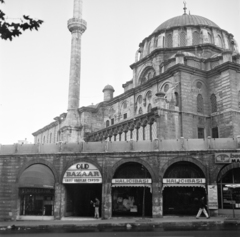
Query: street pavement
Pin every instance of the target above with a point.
(122, 224)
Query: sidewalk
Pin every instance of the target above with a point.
(81, 224)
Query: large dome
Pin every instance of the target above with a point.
(186, 20)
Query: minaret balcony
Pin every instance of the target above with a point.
(76, 24)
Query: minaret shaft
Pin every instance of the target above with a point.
(71, 129)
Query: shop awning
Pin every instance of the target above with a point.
(133, 185)
(37, 176)
(184, 185)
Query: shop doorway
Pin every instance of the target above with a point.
(78, 198)
(184, 184)
(181, 200)
(132, 191)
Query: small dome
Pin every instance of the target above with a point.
(108, 87)
(186, 20)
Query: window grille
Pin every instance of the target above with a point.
(125, 116)
(140, 111)
(213, 103)
(183, 38)
(199, 103)
(176, 99)
(107, 123)
(195, 38)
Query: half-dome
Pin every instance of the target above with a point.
(186, 20)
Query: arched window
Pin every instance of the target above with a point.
(149, 108)
(199, 103)
(163, 42)
(195, 38)
(176, 99)
(213, 99)
(169, 41)
(183, 38)
(209, 38)
(219, 41)
(146, 75)
(149, 47)
(107, 123)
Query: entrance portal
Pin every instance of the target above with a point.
(181, 200)
(183, 185)
(79, 197)
(132, 191)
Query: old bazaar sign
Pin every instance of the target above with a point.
(227, 157)
(82, 172)
(184, 181)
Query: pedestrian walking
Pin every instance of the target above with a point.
(96, 205)
(202, 208)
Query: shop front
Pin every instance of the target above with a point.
(36, 193)
(83, 183)
(228, 182)
(183, 184)
(132, 191)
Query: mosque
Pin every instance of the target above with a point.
(172, 136)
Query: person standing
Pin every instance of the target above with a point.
(96, 205)
(202, 208)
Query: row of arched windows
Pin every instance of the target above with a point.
(200, 106)
(197, 38)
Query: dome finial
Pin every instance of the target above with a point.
(185, 8)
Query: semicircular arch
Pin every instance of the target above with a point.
(226, 169)
(187, 159)
(142, 162)
(40, 162)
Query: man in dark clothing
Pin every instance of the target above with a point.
(202, 208)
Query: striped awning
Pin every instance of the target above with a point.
(37, 176)
(184, 185)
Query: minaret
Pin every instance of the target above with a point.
(72, 126)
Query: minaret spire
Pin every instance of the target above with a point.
(71, 130)
(185, 8)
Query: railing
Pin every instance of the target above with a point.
(124, 146)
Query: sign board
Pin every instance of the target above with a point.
(212, 197)
(131, 181)
(184, 181)
(227, 157)
(82, 172)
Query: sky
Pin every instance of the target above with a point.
(34, 68)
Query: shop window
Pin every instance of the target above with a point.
(200, 133)
(169, 41)
(199, 103)
(213, 103)
(183, 38)
(227, 195)
(195, 38)
(215, 132)
(107, 123)
(112, 121)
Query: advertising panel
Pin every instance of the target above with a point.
(212, 197)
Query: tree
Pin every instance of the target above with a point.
(10, 30)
